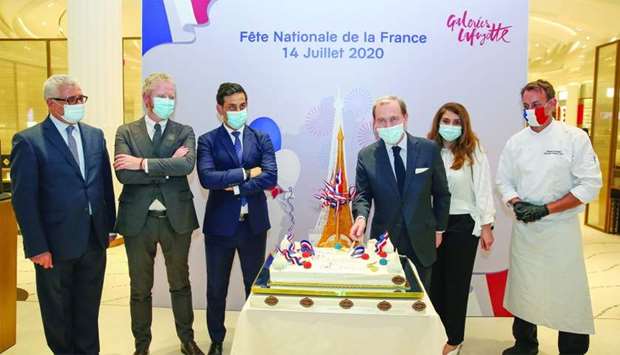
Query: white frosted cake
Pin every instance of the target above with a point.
(374, 267)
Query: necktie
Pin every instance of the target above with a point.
(399, 168)
(157, 138)
(240, 157)
(238, 146)
(72, 144)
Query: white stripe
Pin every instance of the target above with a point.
(185, 11)
(177, 21)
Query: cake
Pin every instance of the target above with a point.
(375, 266)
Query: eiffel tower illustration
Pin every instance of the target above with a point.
(336, 222)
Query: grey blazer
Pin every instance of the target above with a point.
(169, 175)
(425, 204)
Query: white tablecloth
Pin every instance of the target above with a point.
(326, 329)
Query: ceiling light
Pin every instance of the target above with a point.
(555, 24)
(574, 46)
(25, 28)
(563, 95)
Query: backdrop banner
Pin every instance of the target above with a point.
(309, 67)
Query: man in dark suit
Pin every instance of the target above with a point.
(64, 203)
(236, 163)
(412, 200)
(153, 157)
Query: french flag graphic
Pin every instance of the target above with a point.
(171, 21)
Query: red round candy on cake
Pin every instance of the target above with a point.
(307, 265)
(306, 254)
(382, 254)
(365, 256)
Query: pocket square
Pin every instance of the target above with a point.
(420, 170)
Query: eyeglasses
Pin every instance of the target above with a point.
(73, 100)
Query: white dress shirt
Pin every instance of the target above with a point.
(244, 209)
(471, 188)
(156, 205)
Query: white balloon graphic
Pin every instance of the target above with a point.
(289, 167)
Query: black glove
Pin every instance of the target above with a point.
(527, 212)
(520, 207)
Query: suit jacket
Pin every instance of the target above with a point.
(219, 168)
(425, 205)
(51, 198)
(168, 175)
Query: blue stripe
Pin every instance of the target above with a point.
(155, 26)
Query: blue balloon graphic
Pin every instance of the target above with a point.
(267, 125)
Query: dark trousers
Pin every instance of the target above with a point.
(525, 334)
(141, 250)
(69, 297)
(220, 253)
(452, 275)
(403, 247)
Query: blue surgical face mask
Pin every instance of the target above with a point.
(449, 132)
(74, 113)
(391, 135)
(163, 107)
(236, 119)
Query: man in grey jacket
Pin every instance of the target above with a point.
(153, 157)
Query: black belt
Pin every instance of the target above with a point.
(243, 217)
(157, 214)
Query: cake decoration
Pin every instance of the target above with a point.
(358, 251)
(328, 267)
(306, 247)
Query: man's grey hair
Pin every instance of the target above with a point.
(51, 87)
(153, 79)
(387, 99)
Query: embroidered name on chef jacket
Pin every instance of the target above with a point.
(554, 152)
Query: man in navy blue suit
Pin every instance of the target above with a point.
(64, 203)
(405, 178)
(236, 164)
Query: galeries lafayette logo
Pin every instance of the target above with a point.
(477, 30)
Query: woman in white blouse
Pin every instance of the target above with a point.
(471, 217)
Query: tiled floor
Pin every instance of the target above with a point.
(483, 335)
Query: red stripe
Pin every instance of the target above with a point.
(200, 11)
(496, 283)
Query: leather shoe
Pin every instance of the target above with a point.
(191, 348)
(520, 350)
(215, 349)
(141, 352)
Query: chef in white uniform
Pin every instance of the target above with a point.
(547, 172)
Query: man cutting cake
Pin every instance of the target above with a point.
(405, 177)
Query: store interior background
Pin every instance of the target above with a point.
(563, 38)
